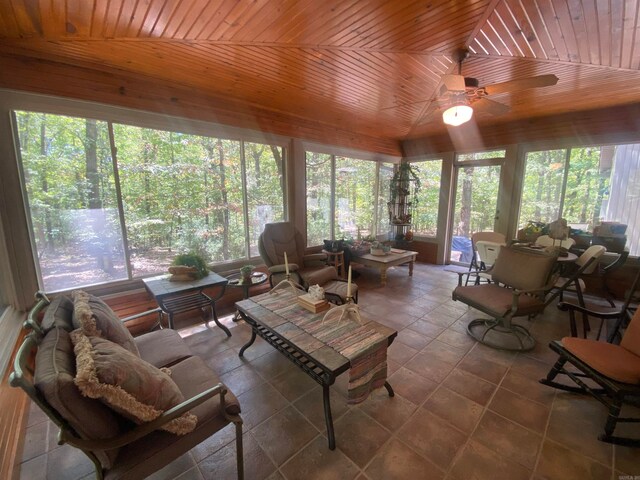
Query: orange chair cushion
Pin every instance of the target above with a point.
(610, 360)
(631, 338)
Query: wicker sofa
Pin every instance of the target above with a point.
(119, 445)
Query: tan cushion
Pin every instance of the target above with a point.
(59, 313)
(96, 318)
(281, 237)
(140, 459)
(521, 269)
(631, 338)
(54, 374)
(319, 275)
(126, 383)
(162, 348)
(339, 288)
(496, 300)
(610, 360)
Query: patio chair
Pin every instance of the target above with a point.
(522, 278)
(614, 368)
(615, 314)
(306, 270)
(477, 264)
(487, 253)
(547, 241)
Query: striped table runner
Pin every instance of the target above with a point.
(362, 344)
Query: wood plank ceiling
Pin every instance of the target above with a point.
(369, 68)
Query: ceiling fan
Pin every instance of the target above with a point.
(460, 96)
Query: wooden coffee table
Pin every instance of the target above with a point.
(285, 326)
(383, 262)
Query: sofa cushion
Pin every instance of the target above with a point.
(125, 382)
(55, 369)
(96, 318)
(143, 457)
(162, 348)
(59, 313)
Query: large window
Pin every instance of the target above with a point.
(425, 213)
(585, 185)
(163, 193)
(341, 197)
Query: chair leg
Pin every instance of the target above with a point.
(239, 450)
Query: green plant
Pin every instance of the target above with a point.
(246, 270)
(192, 260)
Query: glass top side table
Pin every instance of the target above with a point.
(235, 281)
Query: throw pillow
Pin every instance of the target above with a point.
(125, 382)
(96, 318)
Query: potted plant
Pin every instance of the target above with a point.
(245, 273)
(196, 262)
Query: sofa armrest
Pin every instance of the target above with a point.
(64, 436)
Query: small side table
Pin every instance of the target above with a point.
(235, 281)
(335, 259)
(179, 297)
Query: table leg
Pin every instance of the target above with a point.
(249, 343)
(213, 301)
(327, 417)
(390, 391)
(411, 267)
(215, 319)
(383, 275)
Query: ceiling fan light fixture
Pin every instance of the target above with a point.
(457, 114)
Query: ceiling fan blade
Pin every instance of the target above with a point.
(489, 106)
(521, 84)
(453, 83)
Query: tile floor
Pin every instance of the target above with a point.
(461, 410)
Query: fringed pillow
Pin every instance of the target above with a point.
(96, 318)
(129, 385)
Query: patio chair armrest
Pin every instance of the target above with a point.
(32, 322)
(315, 258)
(468, 274)
(293, 267)
(567, 306)
(146, 428)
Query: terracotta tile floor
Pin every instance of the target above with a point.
(461, 410)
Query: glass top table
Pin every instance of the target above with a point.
(179, 297)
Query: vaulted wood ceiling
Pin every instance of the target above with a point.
(324, 69)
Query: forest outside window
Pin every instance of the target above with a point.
(97, 217)
(342, 196)
(584, 185)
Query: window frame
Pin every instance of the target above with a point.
(134, 118)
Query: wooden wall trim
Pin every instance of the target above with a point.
(14, 405)
(114, 87)
(604, 126)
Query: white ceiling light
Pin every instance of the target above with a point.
(457, 114)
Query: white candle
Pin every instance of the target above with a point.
(286, 264)
(349, 283)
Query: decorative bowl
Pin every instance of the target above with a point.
(379, 252)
